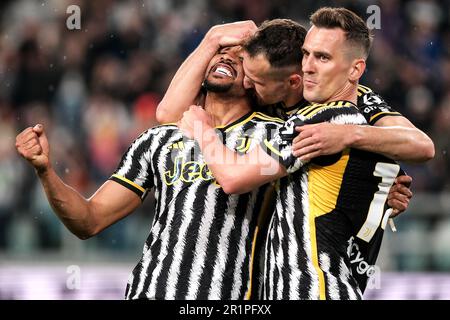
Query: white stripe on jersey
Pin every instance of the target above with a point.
(129, 160)
(269, 262)
(202, 243)
(344, 276)
(187, 214)
(222, 245)
(349, 119)
(294, 276)
(332, 282)
(279, 258)
(314, 292)
(242, 251)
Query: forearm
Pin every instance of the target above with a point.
(186, 84)
(71, 208)
(398, 143)
(239, 173)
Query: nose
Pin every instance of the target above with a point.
(307, 64)
(248, 84)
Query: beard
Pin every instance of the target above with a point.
(216, 87)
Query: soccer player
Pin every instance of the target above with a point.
(272, 65)
(332, 209)
(201, 242)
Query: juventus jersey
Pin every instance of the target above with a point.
(371, 105)
(329, 217)
(201, 241)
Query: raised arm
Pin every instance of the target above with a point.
(185, 86)
(83, 217)
(236, 173)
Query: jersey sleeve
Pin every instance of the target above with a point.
(280, 146)
(373, 106)
(134, 171)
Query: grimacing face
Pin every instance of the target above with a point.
(225, 73)
(259, 77)
(325, 65)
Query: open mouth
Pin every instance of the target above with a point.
(224, 70)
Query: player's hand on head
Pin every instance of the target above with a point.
(232, 34)
(315, 140)
(32, 144)
(399, 195)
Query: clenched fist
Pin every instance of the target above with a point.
(32, 144)
(195, 123)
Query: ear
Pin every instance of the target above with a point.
(357, 69)
(295, 80)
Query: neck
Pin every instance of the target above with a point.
(225, 110)
(348, 92)
(293, 97)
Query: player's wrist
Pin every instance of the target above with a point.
(355, 136)
(43, 170)
(212, 39)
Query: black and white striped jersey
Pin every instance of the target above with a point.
(201, 241)
(321, 208)
(370, 103)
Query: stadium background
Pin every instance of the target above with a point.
(97, 88)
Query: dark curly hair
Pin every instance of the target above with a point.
(280, 40)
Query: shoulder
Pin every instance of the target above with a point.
(160, 130)
(262, 117)
(259, 120)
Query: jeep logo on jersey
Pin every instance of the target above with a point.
(189, 171)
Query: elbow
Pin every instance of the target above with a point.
(85, 230)
(429, 151)
(232, 185)
(85, 234)
(161, 113)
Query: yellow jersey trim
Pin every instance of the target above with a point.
(129, 182)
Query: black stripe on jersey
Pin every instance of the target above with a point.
(285, 275)
(177, 221)
(190, 244)
(157, 158)
(260, 236)
(231, 258)
(327, 114)
(211, 252)
(136, 166)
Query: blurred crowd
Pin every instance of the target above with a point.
(95, 89)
